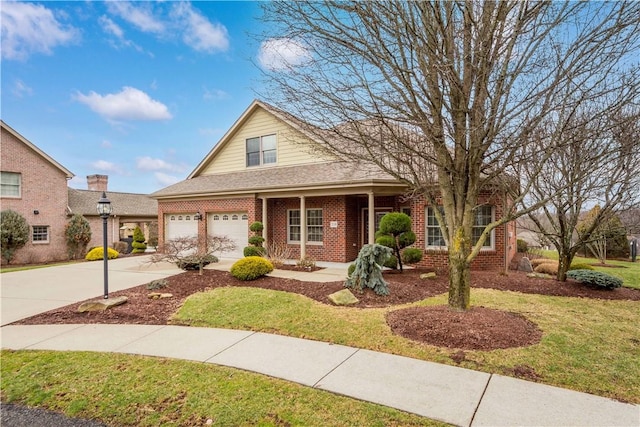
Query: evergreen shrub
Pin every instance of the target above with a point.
(194, 262)
(251, 268)
(138, 244)
(98, 253)
(253, 251)
(412, 255)
(595, 278)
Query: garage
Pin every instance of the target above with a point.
(181, 225)
(234, 225)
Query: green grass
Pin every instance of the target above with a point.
(587, 345)
(9, 269)
(125, 390)
(628, 271)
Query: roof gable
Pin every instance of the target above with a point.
(37, 150)
(259, 119)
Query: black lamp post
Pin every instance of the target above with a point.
(104, 210)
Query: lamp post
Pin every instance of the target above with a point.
(104, 210)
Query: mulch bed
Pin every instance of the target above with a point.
(478, 329)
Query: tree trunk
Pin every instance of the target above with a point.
(459, 281)
(564, 261)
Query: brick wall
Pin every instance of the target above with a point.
(44, 188)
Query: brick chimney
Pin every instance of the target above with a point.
(97, 182)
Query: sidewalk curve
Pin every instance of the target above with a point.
(447, 393)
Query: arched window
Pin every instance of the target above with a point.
(216, 217)
(225, 217)
(234, 217)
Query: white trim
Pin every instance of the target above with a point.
(491, 247)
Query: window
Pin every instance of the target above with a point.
(40, 234)
(10, 184)
(261, 150)
(483, 216)
(434, 234)
(314, 226)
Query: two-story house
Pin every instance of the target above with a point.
(261, 171)
(35, 185)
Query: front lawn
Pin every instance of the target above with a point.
(588, 345)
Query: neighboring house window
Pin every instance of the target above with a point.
(261, 150)
(10, 183)
(483, 217)
(40, 234)
(314, 226)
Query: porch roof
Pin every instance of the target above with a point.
(318, 176)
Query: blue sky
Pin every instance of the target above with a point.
(139, 91)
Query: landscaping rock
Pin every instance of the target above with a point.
(343, 297)
(158, 295)
(525, 265)
(539, 276)
(431, 275)
(102, 304)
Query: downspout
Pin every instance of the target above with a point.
(506, 236)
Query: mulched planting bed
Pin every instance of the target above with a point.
(483, 328)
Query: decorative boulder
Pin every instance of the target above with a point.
(525, 265)
(431, 275)
(343, 297)
(102, 304)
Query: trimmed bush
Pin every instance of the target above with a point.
(391, 263)
(595, 278)
(386, 240)
(412, 255)
(522, 246)
(78, 235)
(98, 253)
(138, 244)
(256, 227)
(15, 233)
(256, 240)
(253, 251)
(194, 262)
(251, 268)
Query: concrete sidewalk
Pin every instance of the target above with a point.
(447, 393)
(441, 392)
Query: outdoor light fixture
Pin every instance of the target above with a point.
(198, 216)
(104, 210)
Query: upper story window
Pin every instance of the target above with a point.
(40, 234)
(261, 150)
(483, 216)
(10, 182)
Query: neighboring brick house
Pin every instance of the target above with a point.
(318, 207)
(35, 185)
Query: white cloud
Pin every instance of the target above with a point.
(30, 28)
(150, 164)
(165, 179)
(106, 144)
(199, 33)
(214, 94)
(282, 54)
(21, 89)
(141, 16)
(129, 104)
(110, 27)
(103, 165)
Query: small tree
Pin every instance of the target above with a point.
(395, 233)
(15, 233)
(368, 270)
(255, 241)
(78, 234)
(138, 244)
(187, 251)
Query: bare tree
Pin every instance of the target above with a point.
(192, 252)
(444, 96)
(595, 167)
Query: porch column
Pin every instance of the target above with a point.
(264, 220)
(372, 219)
(303, 228)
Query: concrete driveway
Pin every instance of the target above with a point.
(27, 293)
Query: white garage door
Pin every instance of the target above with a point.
(234, 225)
(180, 225)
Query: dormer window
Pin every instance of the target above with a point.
(261, 150)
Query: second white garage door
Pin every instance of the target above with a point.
(234, 225)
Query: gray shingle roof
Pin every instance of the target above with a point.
(272, 179)
(124, 204)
